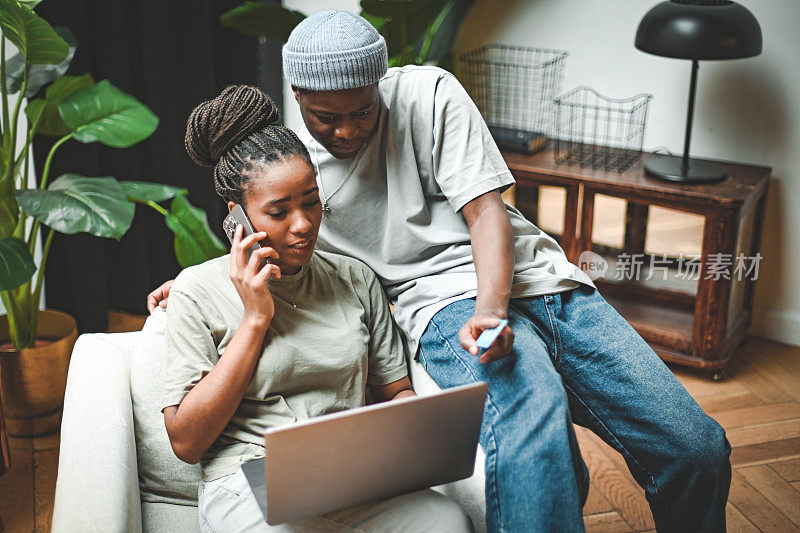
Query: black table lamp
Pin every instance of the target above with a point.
(696, 29)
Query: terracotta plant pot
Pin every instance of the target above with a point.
(5, 452)
(32, 381)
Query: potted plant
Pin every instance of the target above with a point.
(35, 345)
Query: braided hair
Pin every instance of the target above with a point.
(234, 133)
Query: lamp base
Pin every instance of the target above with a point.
(668, 167)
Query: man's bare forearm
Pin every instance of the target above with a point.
(492, 252)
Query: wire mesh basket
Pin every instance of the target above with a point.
(595, 131)
(514, 88)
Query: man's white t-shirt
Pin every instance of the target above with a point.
(396, 205)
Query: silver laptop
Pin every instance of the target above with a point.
(370, 453)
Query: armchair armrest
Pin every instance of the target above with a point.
(98, 486)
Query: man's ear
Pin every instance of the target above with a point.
(296, 92)
(231, 205)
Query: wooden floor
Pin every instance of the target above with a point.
(758, 405)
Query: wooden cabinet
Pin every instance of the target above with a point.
(700, 323)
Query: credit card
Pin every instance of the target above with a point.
(489, 335)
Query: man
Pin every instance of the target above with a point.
(410, 180)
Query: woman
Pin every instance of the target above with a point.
(250, 348)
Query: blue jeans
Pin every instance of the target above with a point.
(575, 359)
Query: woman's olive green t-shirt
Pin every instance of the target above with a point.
(332, 335)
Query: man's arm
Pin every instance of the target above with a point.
(493, 255)
(392, 391)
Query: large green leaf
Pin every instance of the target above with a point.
(262, 19)
(405, 22)
(34, 110)
(16, 263)
(194, 240)
(375, 20)
(74, 204)
(103, 113)
(388, 8)
(51, 123)
(443, 31)
(32, 35)
(406, 56)
(150, 192)
(38, 75)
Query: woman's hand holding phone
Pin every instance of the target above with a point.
(251, 282)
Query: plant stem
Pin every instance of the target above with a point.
(14, 120)
(25, 149)
(34, 304)
(32, 236)
(3, 83)
(19, 231)
(43, 185)
(46, 171)
(15, 323)
(24, 183)
(151, 204)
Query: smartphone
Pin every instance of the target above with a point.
(487, 338)
(236, 217)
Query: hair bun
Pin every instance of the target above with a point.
(216, 125)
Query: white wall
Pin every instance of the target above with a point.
(746, 110)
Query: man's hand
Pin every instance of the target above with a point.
(158, 298)
(473, 329)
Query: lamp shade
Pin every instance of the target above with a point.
(699, 29)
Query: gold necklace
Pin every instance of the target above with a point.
(292, 301)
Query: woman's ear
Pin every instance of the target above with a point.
(231, 205)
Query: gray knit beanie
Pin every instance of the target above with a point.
(333, 50)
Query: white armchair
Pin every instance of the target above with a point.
(116, 469)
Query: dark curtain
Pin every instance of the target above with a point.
(171, 55)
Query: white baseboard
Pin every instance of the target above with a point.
(776, 325)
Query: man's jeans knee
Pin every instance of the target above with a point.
(574, 348)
